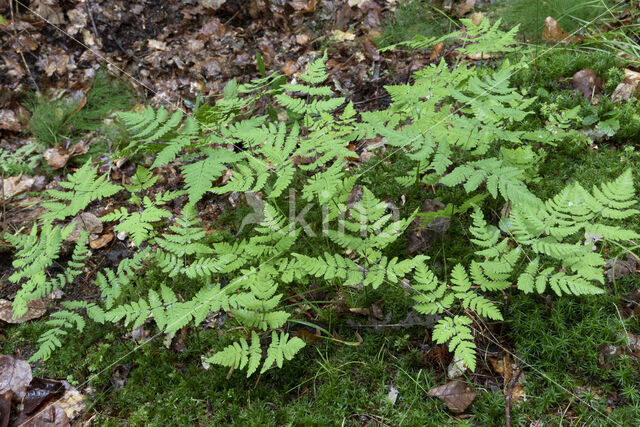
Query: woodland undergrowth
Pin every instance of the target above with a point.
(458, 127)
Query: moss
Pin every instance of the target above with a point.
(415, 17)
(572, 15)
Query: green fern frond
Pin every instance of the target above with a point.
(456, 331)
(82, 188)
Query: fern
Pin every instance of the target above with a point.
(158, 131)
(239, 355)
(82, 188)
(456, 331)
(33, 258)
(138, 225)
(200, 175)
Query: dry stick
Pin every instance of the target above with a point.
(4, 210)
(24, 61)
(509, 391)
(93, 24)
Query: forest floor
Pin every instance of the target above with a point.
(69, 65)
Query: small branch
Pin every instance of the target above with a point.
(509, 391)
(93, 23)
(24, 61)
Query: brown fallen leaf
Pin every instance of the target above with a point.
(58, 62)
(212, 4)
(455, 394)
(80, 147)
(343, 36)
(588, 83)
(51, 415)
(5, 407)
(463, 7)
(15, 185)
(308, 337)
(9, 121)
(48, 11)
(35, 310)
(72, 402)
(15, 375)
(607, 353)
(157, 45)
(85, 221)
(303, 39)
(304, 6)
(289, 68)
(628, 87)
(56, 157)
(553, 32)
(101, 241)
(615, 269)
(634, 344)
(370, 50)
(509, 371)
(477, 17)
(436, 52)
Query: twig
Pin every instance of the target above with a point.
(508, 396)
(24, 61)
(93, 23)
(4, 208)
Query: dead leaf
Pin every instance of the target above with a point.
(195, 45)
(80, 147)
(212, 4)
(15, 375)
(85, 221)
(289, 68)
(477, 17)
(436, 52)
(607, 353)
(58, 62)
(552, 32)
(363, 311)
(463, 7)
(587, 83)
(9, 121)
(621, 267)
(72, 402)
(39, 393)
(157, 45)
(56, 157)
(509, 371)
(35, 310)
(101, 241)
(627, 87)
(5, 407)
(308, 337)
(456, 368)
(356, 3)
(370, 50)
(48, 11)
(15, 185)
(342, 36)
(303, 39)
(51, 415)
(455, 394)
(304, 6)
